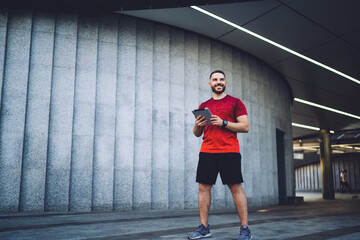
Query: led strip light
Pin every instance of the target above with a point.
(308, 127)
(275, 44)
(326, 108)
(305, 126)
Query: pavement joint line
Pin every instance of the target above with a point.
(328, 234)
(132, 219)
(167, 232)
(192, 212)
(45, 214)
(77, 223)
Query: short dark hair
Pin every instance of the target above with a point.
(217, 71)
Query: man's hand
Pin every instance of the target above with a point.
(215, 120)
(200, 121)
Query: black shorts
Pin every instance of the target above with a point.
(210, 164)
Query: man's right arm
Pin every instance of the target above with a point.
(199, 126)
(198, 131)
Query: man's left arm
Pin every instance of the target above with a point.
(241, 124)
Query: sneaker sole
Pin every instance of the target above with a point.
(250, 238)
(206, 236)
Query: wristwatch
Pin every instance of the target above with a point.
(225, 123)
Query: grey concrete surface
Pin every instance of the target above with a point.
(95, 114)
(315, 219)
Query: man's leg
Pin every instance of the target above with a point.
(240, 202)
(204, 202)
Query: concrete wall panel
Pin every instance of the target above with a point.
(96, 114)
(3, 36)
(37, 113)
(84, 115)
(104, 142)
(13, 107)
(161, 125)
(125, 115)
(191, 144)
(61, 114)
(176, 119)
(143, 116)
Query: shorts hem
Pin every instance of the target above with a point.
(205, 183)
(233, 183)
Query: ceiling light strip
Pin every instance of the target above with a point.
(309, 127)
(305, 126)
(326, 108)
(276, 44)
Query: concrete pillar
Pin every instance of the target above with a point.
(326, 166)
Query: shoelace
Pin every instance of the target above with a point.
(199, 228)
(244, 231)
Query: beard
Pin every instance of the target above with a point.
(217, 91)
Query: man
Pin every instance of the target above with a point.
(220, 153)
(343, 182)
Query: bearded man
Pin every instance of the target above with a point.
(220, 153)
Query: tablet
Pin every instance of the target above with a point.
(205, 113)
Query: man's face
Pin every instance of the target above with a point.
(218, 83)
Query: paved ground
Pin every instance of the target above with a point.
(315, 219)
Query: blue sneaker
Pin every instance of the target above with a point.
(200, 232)
(245, 233)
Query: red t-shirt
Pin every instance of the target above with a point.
(217, 139)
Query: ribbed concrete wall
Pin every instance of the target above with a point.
(96, 114)
(308, 177)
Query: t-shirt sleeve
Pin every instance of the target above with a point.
(240, 108)
(202, 106)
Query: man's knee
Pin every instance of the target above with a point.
(235, 188)
(205, 187)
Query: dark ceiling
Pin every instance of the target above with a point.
(108, 5)
(327, 31)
